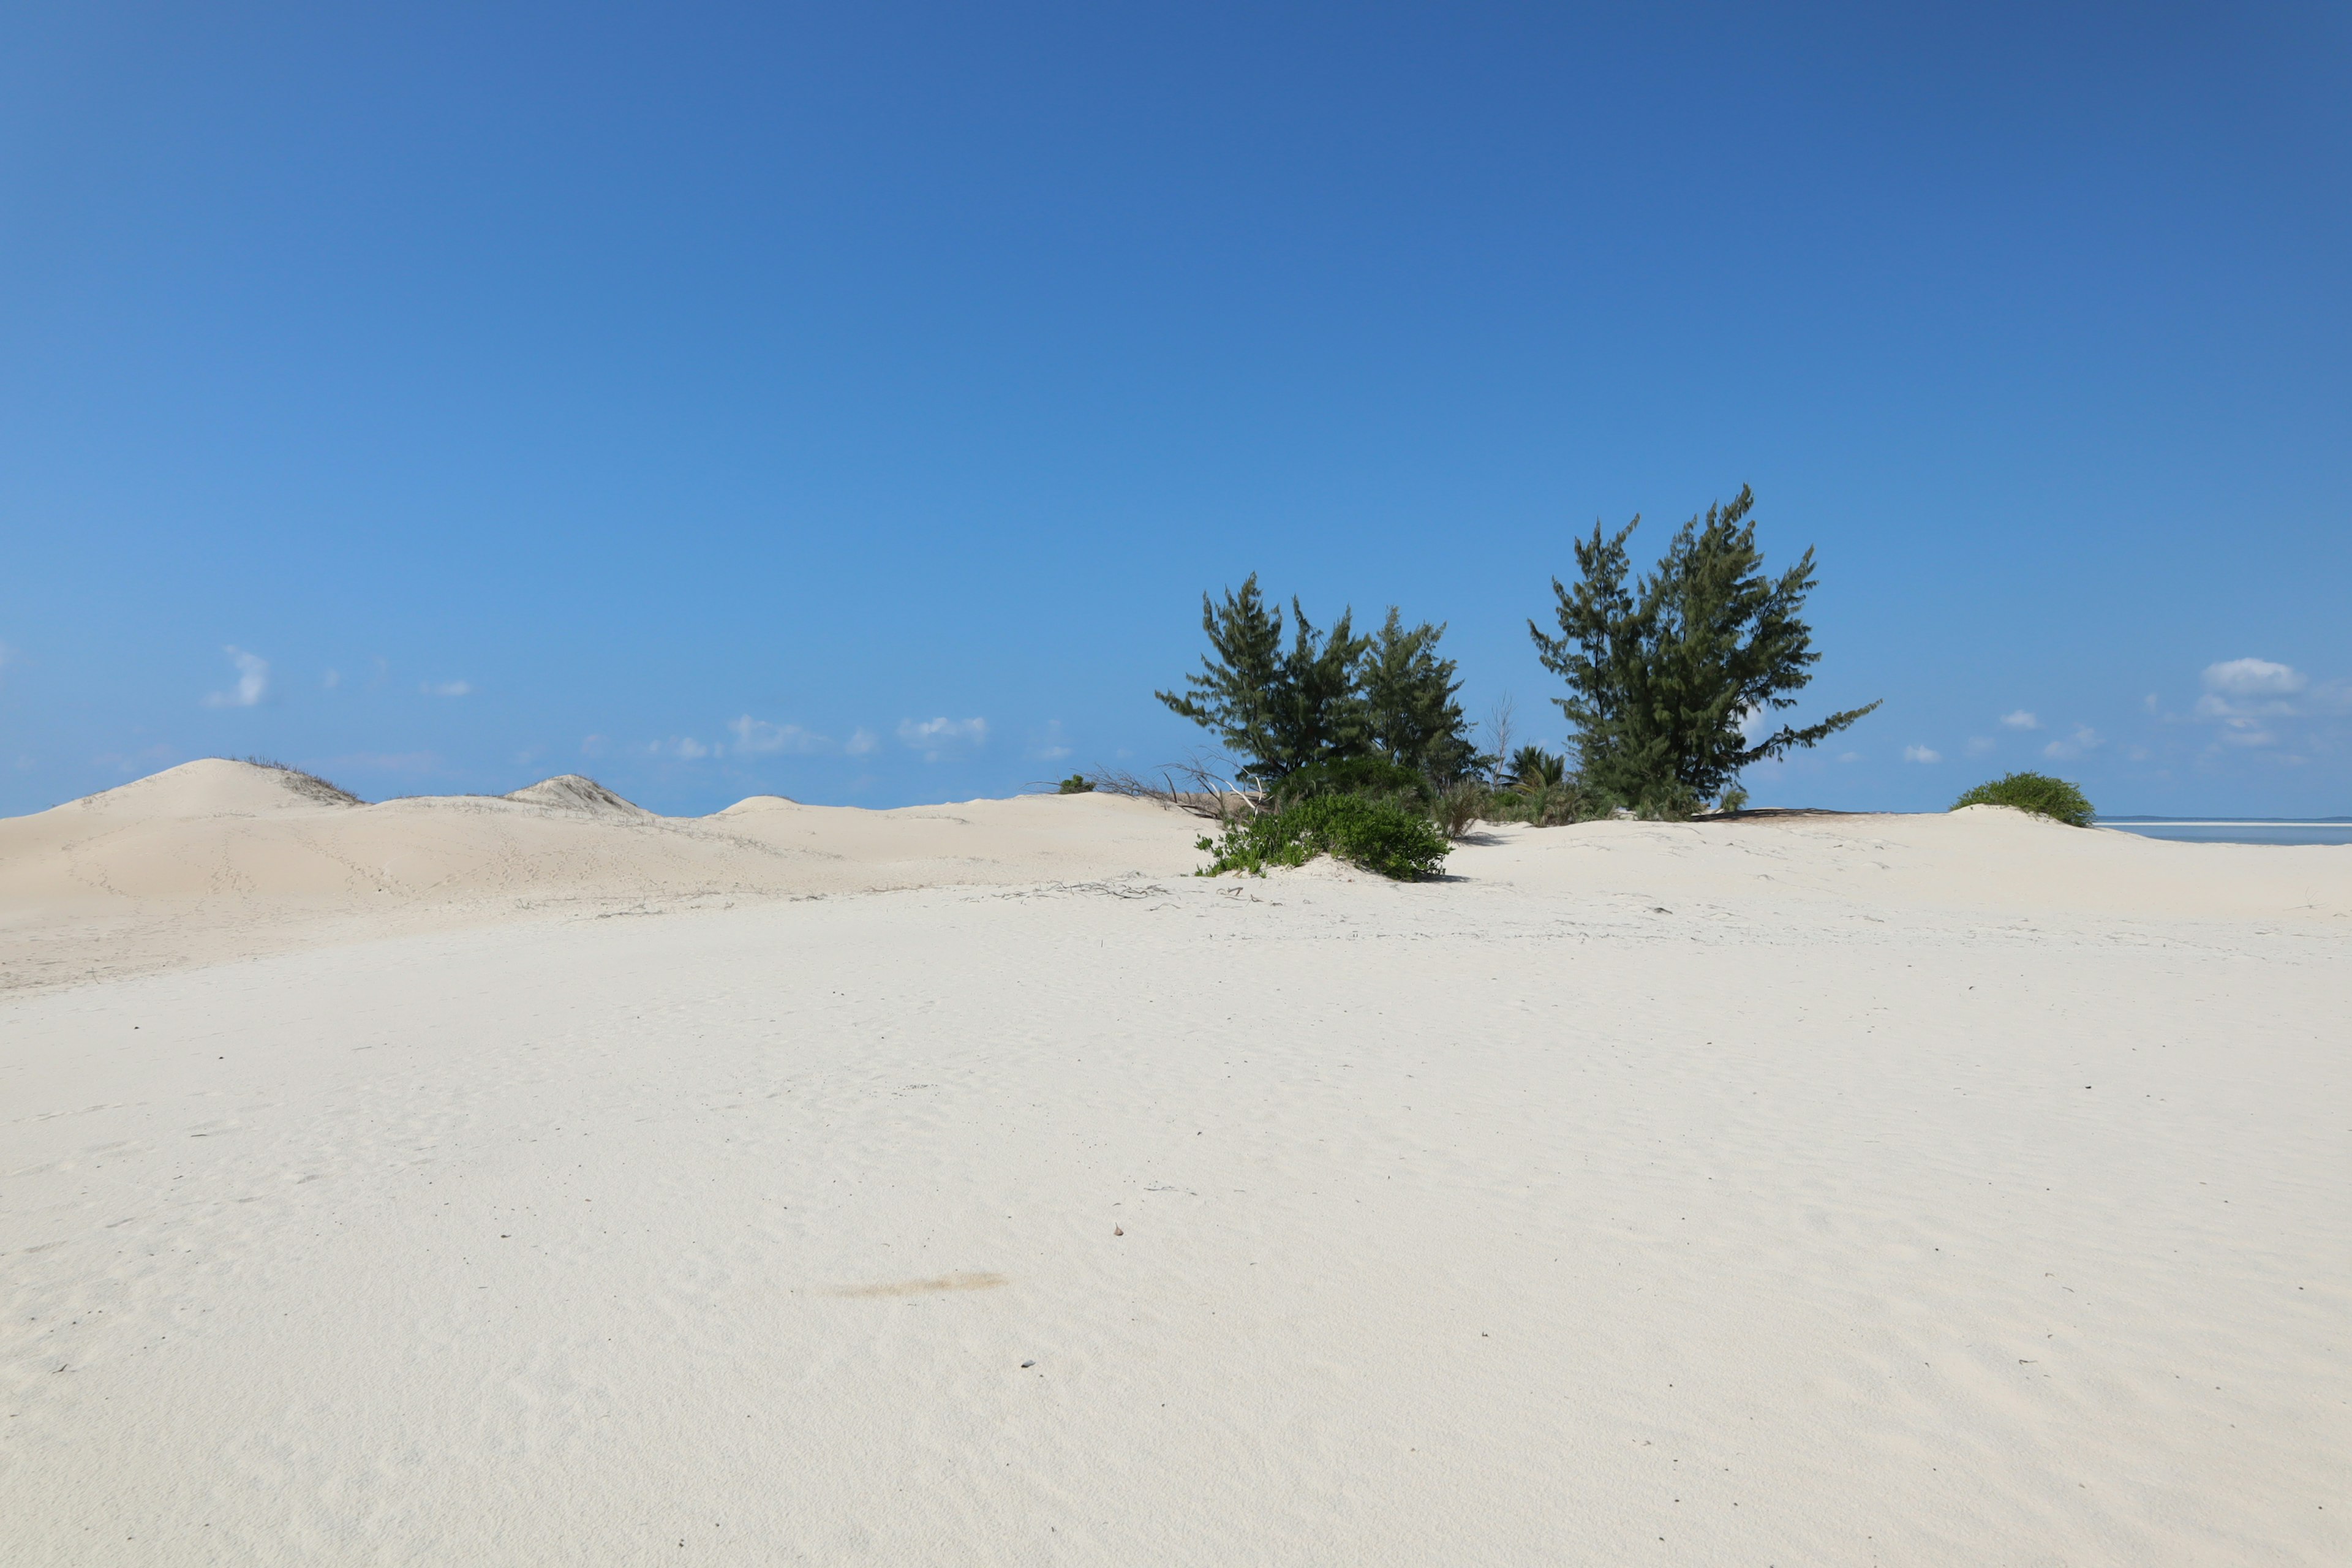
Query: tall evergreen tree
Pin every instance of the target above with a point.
(1412, 715)
(1663, 675)
(1319, 713)
(1279, 708)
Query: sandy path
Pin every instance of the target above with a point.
(1510, 1220)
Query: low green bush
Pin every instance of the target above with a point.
(1077, 784)
(2037, 792)
(1374, 835)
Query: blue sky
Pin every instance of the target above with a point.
(855, 402)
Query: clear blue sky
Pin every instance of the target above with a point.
(854, 402)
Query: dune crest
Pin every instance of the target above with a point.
(215, 786)
(573, 792)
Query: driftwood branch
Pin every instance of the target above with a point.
(1203, 786)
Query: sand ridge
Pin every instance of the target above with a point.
(216, 860)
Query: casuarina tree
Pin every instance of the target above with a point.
(1671, 679)
(1412, 715)
(1280, 708)
(1327, 696)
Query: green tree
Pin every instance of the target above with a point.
(1280, 708)
(1412, 716)
(1663, 675)
(1534, 770)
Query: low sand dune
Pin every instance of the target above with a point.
(218, 860)
(538, 1180)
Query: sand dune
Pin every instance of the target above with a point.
(216, 860)
(539, 1180)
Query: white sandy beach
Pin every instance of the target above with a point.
(538, 1181)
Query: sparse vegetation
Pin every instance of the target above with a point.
(1668, 678)
(2037, 792)
(1379, 838)
(307, 784)
(1076, 784)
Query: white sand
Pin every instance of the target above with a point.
(504, 1182)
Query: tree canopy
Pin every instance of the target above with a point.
(1667, 677)
(1328, 696)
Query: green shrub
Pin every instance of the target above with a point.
(1456, 807)
(1667, 800)
(1374, 835)
(2037, 792)
(1077, 784)
(1374, 778)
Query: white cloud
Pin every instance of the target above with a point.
(1848, 756)
(2247, 696)
(1921, 754)
(758, 735)
(447, 689)
(934, 737)
(2084, 739)
(689, 748)
(861, 742)
(594, 746)
(2254, 678)
(252, 681)
(1754, 722)
(2021, 720)
(1979, 744)
(1051, 745)
(332, 679)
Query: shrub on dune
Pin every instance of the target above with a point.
(2037, 792)
(1376, 835)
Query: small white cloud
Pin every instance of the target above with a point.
(1848, 756)
(2083, 739)
(691, 749)
(933, 737)
(447, 689)
(1979, 744)
(757, 735)
(252, 681)
(594, 746)
(2021, 720)
(1921, 754)
(1051, 746)
(1754, 722)
(861, 742)
(332, 679)
(2254, 678)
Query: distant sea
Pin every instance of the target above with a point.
(2237, 830)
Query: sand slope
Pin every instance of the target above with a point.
(1933, 1190)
